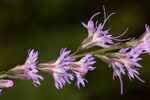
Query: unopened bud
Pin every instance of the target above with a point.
(6, 83)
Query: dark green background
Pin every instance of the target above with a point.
(49, 25)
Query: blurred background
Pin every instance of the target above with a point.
(49, 25)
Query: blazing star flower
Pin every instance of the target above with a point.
(5, 84)
(81, 67)
(145, 41)
(127, 61)
(97, 36)
(27, 71)
(59, 69)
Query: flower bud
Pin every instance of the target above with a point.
(6, 83)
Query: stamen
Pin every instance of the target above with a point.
(107, 18)
(122, 34)
(94, 15)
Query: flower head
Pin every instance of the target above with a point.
(127, 60)
(96, 35)
(28, 70)
(5, 84)
(81, 67)
(145, 41)
(59, 69)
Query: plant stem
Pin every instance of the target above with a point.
(3, 76)
(123, 45)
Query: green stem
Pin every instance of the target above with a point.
(123, 45)
(76, 52)
(3, 76)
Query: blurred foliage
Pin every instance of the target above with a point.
(49, 25)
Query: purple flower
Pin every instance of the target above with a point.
(5, 84)
(59, 69)
(127, 60)
(31, 69)
(27, 71)
(145, 41)
(81, 67)
(118, 70)
(97, 36)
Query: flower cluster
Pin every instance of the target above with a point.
(81, 67)
(128, 58)
(59, 68)
(64, 64)
(27, 71)
(62, 70)
(126, 61)
(144, 43)
(97, 36)
(122, 57)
